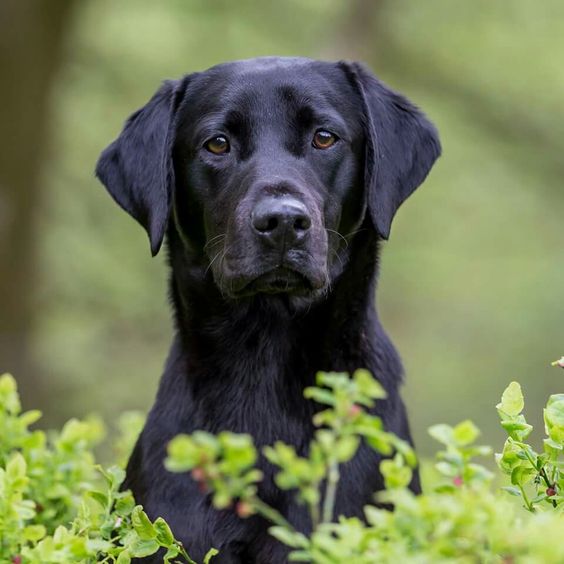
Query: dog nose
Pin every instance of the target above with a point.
(281, 220)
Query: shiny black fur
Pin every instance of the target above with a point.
(243, 351)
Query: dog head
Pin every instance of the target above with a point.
(268, 166)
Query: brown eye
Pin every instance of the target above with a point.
(218, 145)
(324, 139)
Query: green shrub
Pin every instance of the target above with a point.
(58, 505)
(461, 519)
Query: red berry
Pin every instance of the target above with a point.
(550, 491)
(355, 410)
(244, 509)
(198, 474)
(457, 481)
(17, 559)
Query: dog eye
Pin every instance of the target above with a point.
(324, 139)
(217, 145)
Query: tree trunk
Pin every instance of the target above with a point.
(31, 34)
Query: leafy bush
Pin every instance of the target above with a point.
(58, 505)
(461, 519)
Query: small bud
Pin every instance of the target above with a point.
(458, 481)
(558, 362)
(550, 491)
(118, 522)
(244, 509)
(354, 410)
(198, 474)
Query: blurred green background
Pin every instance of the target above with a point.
(473, 275)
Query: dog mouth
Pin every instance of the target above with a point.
(280, 280)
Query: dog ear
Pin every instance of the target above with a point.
(137, 167)
(401, 146)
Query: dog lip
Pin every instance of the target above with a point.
(279, 280)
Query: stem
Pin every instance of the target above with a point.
(330, 491)
(548, 483)
(526, 499)
(314, 511)
(269, 513)
(184, 554)
(541, 471)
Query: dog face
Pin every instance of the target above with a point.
(267, 166)
(271, 156)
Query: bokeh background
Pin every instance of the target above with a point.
(473, 275)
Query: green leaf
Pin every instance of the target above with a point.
(164, 534)
(210, 554)
(521, 475)
(142, 524)
(300, 556)
(380, 443)
(396, 474)
(368, 385)
(554, 418)
(552, 445)
(517, 427)
(172, 552)
(124, 505)
(116, 475)
(320, 395)
(124, 557)
(442, 433)
(30, 417)
(405, 449)
(34, 533)
(183, 454)
(99, 497)
(16, 467)
(465, 433)
(447, 469)
(512, 401)
(346, 447)
(290, 538)
(512, 490)
(511, 457)
(143, 547)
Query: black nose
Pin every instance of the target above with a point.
(281, 220)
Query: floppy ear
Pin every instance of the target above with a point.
(401, 146)
(137, 167)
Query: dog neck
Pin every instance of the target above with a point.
(265, 331)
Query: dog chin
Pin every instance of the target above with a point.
(281, 282)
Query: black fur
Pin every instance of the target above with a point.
(255, 321)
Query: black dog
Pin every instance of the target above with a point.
(275, 180)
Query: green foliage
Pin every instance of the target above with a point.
(223, 464)
(536, 477)
(58, 506)
(460, 519)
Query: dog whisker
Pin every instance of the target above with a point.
(215, 241)
(353, 233)
(221, 253)
(338, 234)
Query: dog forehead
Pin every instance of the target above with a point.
(267, 82)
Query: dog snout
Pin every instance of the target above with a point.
(281, 221)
